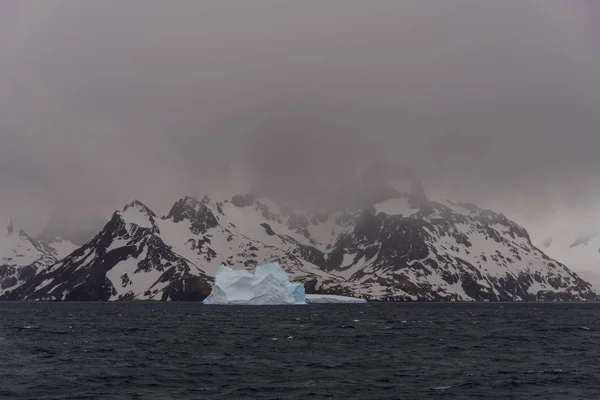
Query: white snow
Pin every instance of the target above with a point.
(325, 233)
(536, 287)
(138, 281)
(248, 220)
(45, 283)
(17, 249)
(61, 247)
(457, 208)
(239, 239)
(269, 285)
(116, 244)
(322, 298)
(396, 206)
(134, 215)
(351, 265)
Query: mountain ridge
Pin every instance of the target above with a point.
(386, 241)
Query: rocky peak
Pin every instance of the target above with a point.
(24, 235)
(141, 207)
(136, 216)
(185, 208)
(197, 212)
(243, 200)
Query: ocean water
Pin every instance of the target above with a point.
(374, 351)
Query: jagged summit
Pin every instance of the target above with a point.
(139, 206)
(136, 215)
(21, 257)
(195, 212)
(186, 207)
(387, 245)
(126, 260)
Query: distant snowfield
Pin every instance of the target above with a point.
(398, 249)
(399, 206)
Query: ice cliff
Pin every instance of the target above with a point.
(269, 285)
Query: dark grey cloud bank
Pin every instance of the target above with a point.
(494, 102)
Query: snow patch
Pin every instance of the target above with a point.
(128, 279)
(134, 215)
(397, 206)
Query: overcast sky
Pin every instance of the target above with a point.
(494, 102)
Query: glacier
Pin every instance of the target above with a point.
(269, 285)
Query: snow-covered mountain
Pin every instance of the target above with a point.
(392, 244)
(58, 247)
(127, 260)
(22, 258)
(580, 251)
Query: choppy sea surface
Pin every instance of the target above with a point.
(374, 351)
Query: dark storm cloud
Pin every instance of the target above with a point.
(493, 102)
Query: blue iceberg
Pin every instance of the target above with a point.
(269, 285)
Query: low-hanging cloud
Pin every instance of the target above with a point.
(492, 102)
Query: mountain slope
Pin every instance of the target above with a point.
(21, 257)
(392, 244)
(58, 247)
(581, 252)
(126, 260)
(449, 252)
(210, 234)
(408, 248)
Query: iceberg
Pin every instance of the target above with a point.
(269, 285)
(331, 299)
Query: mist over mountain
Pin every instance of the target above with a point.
(381, 238)
(77, 231)
(195, 97)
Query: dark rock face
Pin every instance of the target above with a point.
(268, 229)
(419, 257)
(94, 290)
(84, 275)
(14, 270)
(191, 288)
(199, 215)
(243, 201)
(395, 247)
